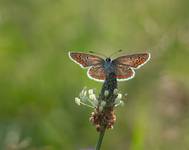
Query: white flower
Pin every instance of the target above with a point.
(115, 91)
(95, 102)
(92, 97)
(100, 108)
(85, 93)
(82, 93)
(121, 103)
(77, 101)
(117, 101)
(119, 96)
(90, 91)
(103, 103)
(106, 93)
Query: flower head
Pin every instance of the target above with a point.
(103, 113)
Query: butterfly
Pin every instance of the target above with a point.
(99, 68)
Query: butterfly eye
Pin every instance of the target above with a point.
(108, 59)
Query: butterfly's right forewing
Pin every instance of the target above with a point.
(135, 60)
(125, 65)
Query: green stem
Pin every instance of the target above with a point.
(110, 84)
(100, 139)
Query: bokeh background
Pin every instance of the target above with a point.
(38, 82)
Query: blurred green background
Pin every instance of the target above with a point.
(38, 82)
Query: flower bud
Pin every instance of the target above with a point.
(106, 93)
(119, 96)
(85, 93)
(103, 103)
(115, 91)
(77, 101)
(100, 108)
(90, 91)
(92, 97)
(121, 103)
(95, 102)
(117, 101)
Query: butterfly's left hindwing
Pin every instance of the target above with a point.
(85, 60)
(96, 73)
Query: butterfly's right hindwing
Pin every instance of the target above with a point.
(124, 73)
(125, 65)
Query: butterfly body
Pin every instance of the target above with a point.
(99, 68)
(108, 66)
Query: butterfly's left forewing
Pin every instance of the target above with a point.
(85, 60)
(95, 64)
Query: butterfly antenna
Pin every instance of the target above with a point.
(116, 52)
(98, 53)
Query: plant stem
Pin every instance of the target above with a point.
(100, 139)
(110, 84)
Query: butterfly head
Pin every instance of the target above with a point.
(108, 59)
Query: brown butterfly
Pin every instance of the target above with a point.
(98, 68)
